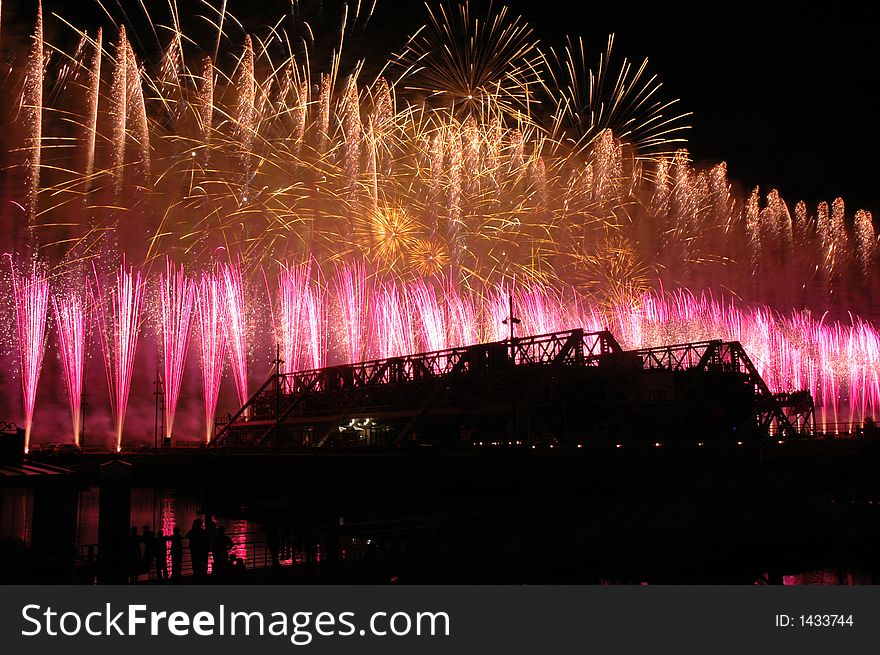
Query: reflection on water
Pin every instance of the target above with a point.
(828, 578)
(16, 514)
(161, 510)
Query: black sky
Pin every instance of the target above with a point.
(785, 94)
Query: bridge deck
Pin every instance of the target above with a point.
(505, 381)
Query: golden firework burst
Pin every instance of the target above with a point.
(610, 272)
(388, 235)
(429, 257)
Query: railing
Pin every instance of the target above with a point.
(575, 347)
(8, 427)
(252, 548)
(681, 357)
(568, 347)
(845, 429)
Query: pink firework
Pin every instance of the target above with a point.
(315, 321)
(838, 362)
(431, 315)
(70, 324)
(392, 326)
(497, 309)
(464, 324)
(212, 344)
(31, 297)
(235, 319)
(119, 311)
(176, 296)
(293, 282)
(541, 311)
(352, 290)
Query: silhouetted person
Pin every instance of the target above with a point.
(148, 539)
(198, 548)
(211, 532)
(176, 553)
(132, 557)
(273, 542)
(220, 550)
(160, 551)
(211, 529)
(237, 568)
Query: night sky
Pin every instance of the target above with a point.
(786, 96)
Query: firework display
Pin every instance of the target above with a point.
(118, 314)
(328, 215)
(176, 297)
(236, 324)
(212, 344)
(31, 298)
(71, 325)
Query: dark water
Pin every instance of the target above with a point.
(162, 509)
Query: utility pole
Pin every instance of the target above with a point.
(278, 380)
(159, 426)
(511, 322)
(84, 399)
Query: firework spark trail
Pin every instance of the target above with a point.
(31, 298)
(352, 135)
(454, 213)
(390, 322)
(212, 343)
(235, 319)
(70, 312)
(299, 114)
(431, 316)
(176, 296)
(477, 63)
(576, 94)
(352, 290)
(205, 104)
(119, 111)
(498, 309)
(32, 110)
(246, 115)
(536, 311)
(315, 319)
(464, 322)
(866, 240)
(293, 283)
(119, 309)
(93, 95)
(137, 114)
(324, 113)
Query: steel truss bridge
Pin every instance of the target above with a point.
(566, 387)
